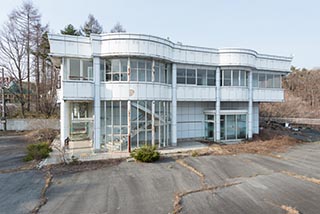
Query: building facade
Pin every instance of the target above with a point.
(121, 91)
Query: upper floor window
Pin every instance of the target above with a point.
(234, 77)
(141, 70)
(79, 69)
(196, 76)
(266, 80)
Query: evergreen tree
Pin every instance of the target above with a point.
(70, 30)
(91, 26)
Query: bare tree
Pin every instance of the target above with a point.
(25, 18)
(12, 54)
(118, 28)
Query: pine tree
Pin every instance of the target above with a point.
(70, 30)
(91, 26)
(118, 28)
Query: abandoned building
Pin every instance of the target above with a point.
(120, 91)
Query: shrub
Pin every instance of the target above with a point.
(145, 153)
(37, 151)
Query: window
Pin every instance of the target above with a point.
(191, 76)
(79, 110)
(181, 76)
(236, 77)
(201, 77)
(149, 71)
(115, 69)
(141, 71)
(255, 82)
(134, 70)
(269, 81)
(211, 77)
(162, 73)
(124, 70)
(227, 77)
(262, 80)
(277, 81)
(244, 78)
(87, 70)
(74, 70)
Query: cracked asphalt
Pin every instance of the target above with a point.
(244, 183)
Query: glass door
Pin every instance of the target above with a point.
(231, 127)
(209, 127)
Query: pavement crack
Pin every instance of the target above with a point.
(25, 167)
(177, 206)
(302, 177)
(287, 208)
(194, 170)
(43, 199)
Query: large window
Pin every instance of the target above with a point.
(80, 69)
(266, 80)
(196, 76)
(114, 124)
(234, 77)
(141, 70)
(233, 126)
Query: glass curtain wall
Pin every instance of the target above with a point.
(114, 124)
(141, 70)
(233, 127)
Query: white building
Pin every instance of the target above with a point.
(120, 91)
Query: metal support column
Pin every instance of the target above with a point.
(218, 99)
(250, 112)
(174, 106)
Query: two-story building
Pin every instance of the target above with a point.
(121, 91)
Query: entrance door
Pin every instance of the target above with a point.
(209, 127)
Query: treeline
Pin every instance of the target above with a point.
(24, 54)
(302, 96)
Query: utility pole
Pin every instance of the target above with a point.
(3, 119)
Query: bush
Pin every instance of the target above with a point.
(37, 151)
(146, 153)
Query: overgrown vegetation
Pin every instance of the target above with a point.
(146, 153)
(37, 151)
(302, 96)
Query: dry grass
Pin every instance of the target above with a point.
(290, 210)
(277, 144)
(302, 177)
(42, 135)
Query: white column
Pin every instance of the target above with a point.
(97, 103)
(250, 112)
(64, 109)
(129, 126)
(174, 106)
(218, 99)
(153, 123)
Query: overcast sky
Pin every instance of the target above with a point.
(280, 27)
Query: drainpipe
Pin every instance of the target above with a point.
(174, 106)
(218, 100)
(97, 103)
(250, 98)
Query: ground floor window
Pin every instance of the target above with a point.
(232, 127)
(149, 124)
(81, 126)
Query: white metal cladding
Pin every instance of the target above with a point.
(126, 44)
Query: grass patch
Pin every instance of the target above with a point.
(37, 151)
(146, 153)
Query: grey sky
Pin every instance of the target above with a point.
(281, 27)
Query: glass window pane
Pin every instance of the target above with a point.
(241, 129)
(255, 82)
(149, 71)
(142, 71)
(235, 81)
(87, 67)
(201, 77)
(181, 76)
(231, 126)
(227, 77)
(124, 69)
(269, 81)
(133, 70)
(116, 113)
(124, 113)
(211, 77)
(262, 80)
(244, 78)
(74, 69)
(277, 81)
(191, 76)
(156, 72)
